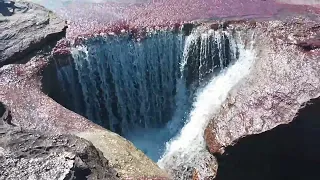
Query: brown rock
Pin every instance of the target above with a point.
(212, 143)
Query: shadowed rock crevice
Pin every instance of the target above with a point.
(2, 109)
(5, 115)
(7, 9)
(287, 152)
(310, 45)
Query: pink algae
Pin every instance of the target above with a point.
(88, 19)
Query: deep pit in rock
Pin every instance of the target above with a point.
(142, 90)
(287, 152)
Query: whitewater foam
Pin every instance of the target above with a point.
(186, 149)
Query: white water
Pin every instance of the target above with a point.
(144, 90)
(185, 149)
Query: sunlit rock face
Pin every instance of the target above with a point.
(62, 156)
(41, 28)
(301, 2)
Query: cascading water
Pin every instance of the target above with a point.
(188, 149)
(144, 89)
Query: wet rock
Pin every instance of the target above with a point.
(187, 28)
(25, 28)
(201, 166)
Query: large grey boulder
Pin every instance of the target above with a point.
(24, 28)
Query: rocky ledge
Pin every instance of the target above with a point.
(27, 154)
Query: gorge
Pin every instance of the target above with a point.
(195, 92)
(150, 85)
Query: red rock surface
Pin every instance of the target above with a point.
(31, 108)
(88, 18)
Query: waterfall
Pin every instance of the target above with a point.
(144, 89)
(129, 84)
(188, 149)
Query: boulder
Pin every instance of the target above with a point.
(25, 28)
(29, 154)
